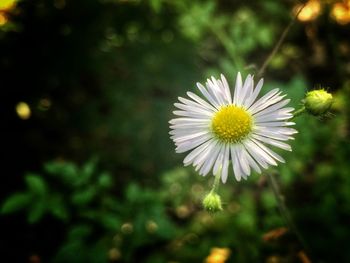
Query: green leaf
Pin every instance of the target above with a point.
(105, 180)
(79, 232)
(89, 214)
(66, 171)
(74, 249)
(133, 192)
(58, 208)
(36, 184)
(16, 202)
(110, 221)
(84, 197)
(36, 212)
(88, 169)
(156, 5)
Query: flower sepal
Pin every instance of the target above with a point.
(212, 202)
(318, 102)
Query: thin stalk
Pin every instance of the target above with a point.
(279, 43)
(216, 183)
(298, 112)
(285, 212)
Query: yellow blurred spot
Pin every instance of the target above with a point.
(218, 255)
(311, 10)
(7, 4)
(114, 254)
(23, 110)
(273, 259)
(182, 211)
(341, 12)
(3, 19)
(151, 226)
(127, 228)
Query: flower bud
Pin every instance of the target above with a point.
(212, 202)
(318, 102)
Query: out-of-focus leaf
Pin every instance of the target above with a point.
(111, 202)
(110, 221)
(16, 202)
(90, 214)
(87, 171)
(85, 196)
(269, 200)
(58, 208)
(73, 249)
(36, 184)
(68, 172)
(156, 5)
(195, 21)
(105, 180)
(133, 192)
(79, 232)
(36, 211)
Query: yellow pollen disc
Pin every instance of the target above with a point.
(231, 124)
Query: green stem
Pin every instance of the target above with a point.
(216, 183)
(279, 43)
(298, 112)
(285, 212)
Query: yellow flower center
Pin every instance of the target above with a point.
(231, 124)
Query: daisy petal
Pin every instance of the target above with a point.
(238, 88)
(225, 164)
(220, 128)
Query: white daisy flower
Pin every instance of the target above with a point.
(224, 128)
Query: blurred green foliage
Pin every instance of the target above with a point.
(100, 78)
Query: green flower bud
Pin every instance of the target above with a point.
(212, 202)
(318, 102)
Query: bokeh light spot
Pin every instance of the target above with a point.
(6, 4)
(182, 211)
(3, 19)
(23, 110)
(114, 254)
(311, 10)
(151, 226)
(341, 12)
(218, 255)
(127, 228)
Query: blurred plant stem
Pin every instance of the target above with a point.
(279, 43)
(285, 212)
